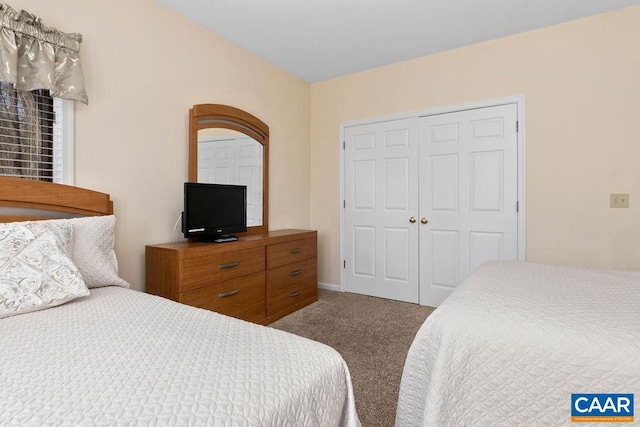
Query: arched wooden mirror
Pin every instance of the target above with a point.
(230, 146)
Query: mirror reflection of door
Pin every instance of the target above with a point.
(229, 157)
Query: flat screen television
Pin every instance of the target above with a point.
(213, 211)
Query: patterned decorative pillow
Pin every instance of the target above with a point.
(93, 250)
(35, 269)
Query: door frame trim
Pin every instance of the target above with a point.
(519, 100)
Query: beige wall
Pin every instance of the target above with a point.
(144, 67)
(581, 83)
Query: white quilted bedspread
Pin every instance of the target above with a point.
(121, 357)
(512, 343)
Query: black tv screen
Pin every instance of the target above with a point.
(213, 211)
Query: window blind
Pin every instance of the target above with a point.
(58, 154)
(30, 134)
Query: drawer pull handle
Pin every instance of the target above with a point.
(295, 273)
(229, 265)
(228, 294)
(295, 294)
(295, 251)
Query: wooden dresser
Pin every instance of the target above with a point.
(259, 278)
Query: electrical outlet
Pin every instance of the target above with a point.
(619, 200)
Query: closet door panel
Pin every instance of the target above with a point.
(381, 243)
(468, 193)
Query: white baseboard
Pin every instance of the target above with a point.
(329, 287)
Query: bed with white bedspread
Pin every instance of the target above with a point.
(77, 347)
(123, 357)
(515, 340)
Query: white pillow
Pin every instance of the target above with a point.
(93, 250)
(35, 269)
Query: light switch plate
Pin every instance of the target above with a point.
(619, 200)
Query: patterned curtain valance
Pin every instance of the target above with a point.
(33, 56)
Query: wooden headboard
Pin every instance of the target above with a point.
(47, 196)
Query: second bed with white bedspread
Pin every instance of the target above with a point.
(515, 340)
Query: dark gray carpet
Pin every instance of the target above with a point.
(373, 335)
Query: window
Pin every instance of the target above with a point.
(36, 135)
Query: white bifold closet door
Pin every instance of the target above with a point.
(429, 199)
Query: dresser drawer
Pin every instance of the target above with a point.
(291, 284)
(242, 297)
(286, 253)
(206, 269)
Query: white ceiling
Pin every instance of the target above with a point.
(322, 39)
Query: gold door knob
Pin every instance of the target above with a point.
(424, 220)
(412, 219)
